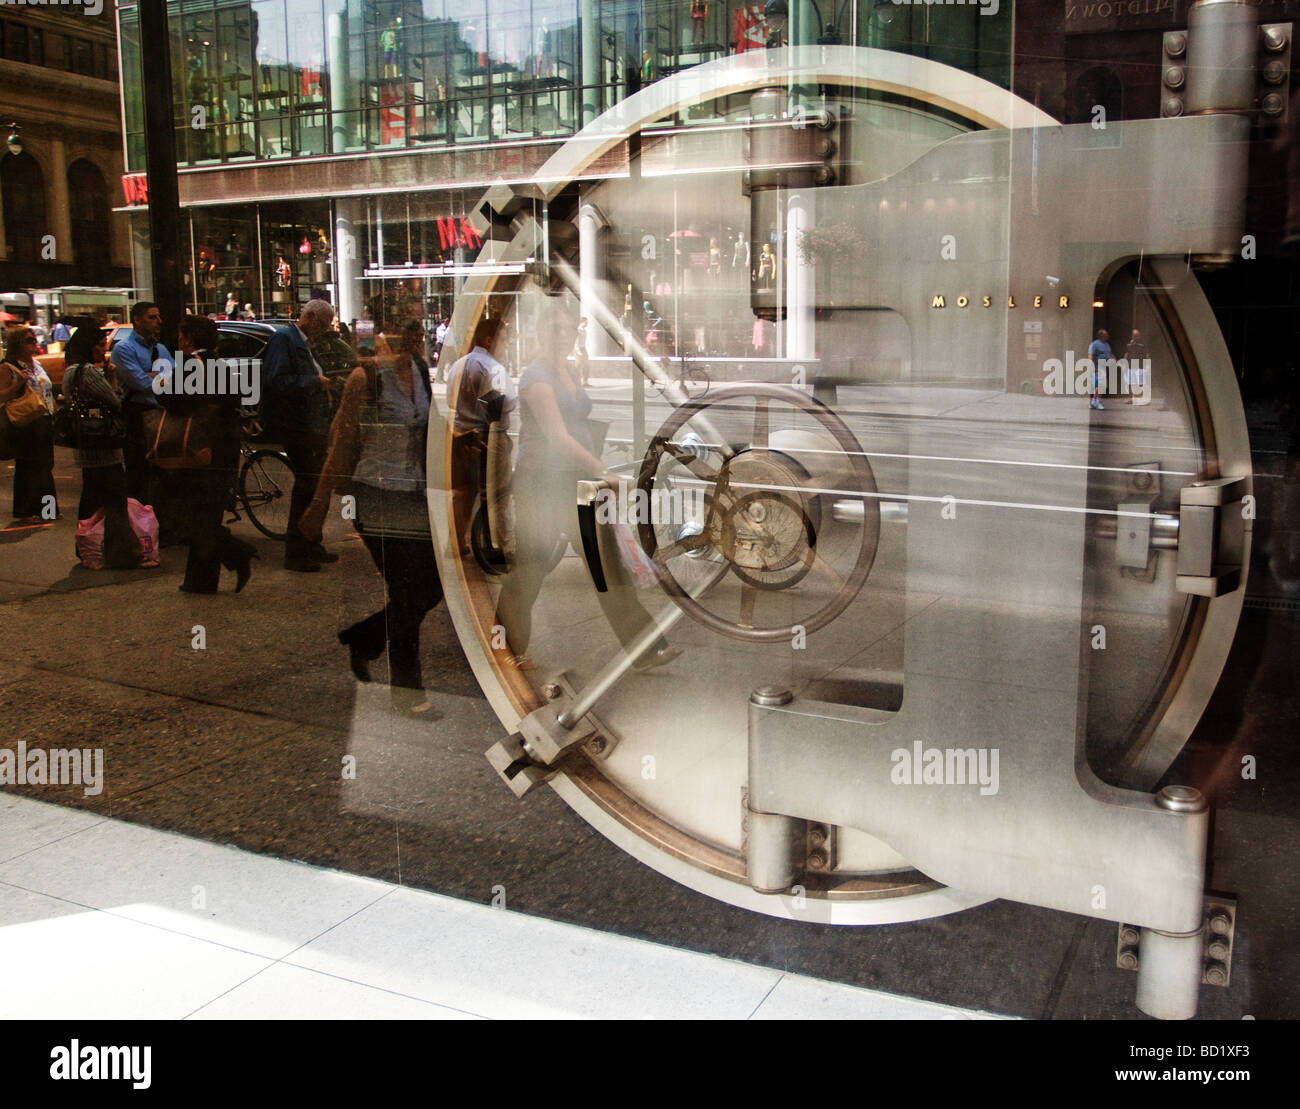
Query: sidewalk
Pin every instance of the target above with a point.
(105, 919)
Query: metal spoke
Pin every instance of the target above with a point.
(693, 463)
(748, 595)
(761, 423)
(682, 546)
(827, 571)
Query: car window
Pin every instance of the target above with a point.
(237, 345)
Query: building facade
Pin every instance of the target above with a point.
(340, 145)
(60, 170)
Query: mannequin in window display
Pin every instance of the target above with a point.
(699, 13)
(283, 273)
(543, 50)
(740, 253)
(207, 265)
(440, 117)
(388, 40)
(647, 67)
(766, 267)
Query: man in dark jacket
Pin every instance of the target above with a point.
(296, 410)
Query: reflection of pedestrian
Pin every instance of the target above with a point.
(203, 490)
(1100, 353)
(103, 479)
(555, 451)
(481, 394)
(23, 380)
(139, 358)
(1135, 357)
(295, 407)
(382, 423)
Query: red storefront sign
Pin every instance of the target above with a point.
(449, 235)
(135, 187)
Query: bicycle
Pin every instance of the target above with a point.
(263, 485)
(692, 378)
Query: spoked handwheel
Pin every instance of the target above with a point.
(758, 512)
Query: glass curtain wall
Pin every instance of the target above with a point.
(267, 79)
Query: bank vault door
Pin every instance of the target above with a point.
(912, 610)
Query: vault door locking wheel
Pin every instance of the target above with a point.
(763, 511)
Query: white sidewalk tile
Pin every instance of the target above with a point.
(26, 825)
(249, 902)
(63, 962)
(799, 998)
(505, 964)
(284, 992)
(347, 947)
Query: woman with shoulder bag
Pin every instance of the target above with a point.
(103, 476)
(378, 437)
(27, 401)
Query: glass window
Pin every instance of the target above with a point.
(132, 93)
(56, 51)
(83, 57)
(15, 42)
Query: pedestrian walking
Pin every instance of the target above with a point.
(203, 490)
(296, 411)
(1102, 358)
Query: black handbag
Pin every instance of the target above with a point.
(87, 427)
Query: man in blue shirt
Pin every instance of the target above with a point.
(139, 358)
(296, 410)
(1101, 356)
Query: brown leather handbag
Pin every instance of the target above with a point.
(174, 442)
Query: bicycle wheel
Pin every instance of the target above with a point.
(695, 382)
(265, 484)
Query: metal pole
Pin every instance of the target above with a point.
(160, 167)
